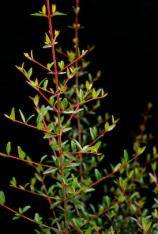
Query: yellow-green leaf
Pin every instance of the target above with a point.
(44, 10)
(21, 153)
(56, 33)
(47, 39)
(12, 115)
(53, 8)
(27, 55)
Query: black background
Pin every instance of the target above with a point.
(125, 35)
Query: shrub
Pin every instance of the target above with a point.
(66, 180)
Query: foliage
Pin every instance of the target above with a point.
(70, 173)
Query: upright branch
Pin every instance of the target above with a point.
(76, 44)
(51, 31)
(50, 23)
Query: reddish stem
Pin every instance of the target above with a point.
(105, 177)
(77, 82)
(50, 202)
(58, 111)
(30, 163)
(31, 126)
(23, 216)
(34, 193)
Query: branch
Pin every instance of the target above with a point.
(29, 162)
(26, 217)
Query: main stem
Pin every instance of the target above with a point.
(77, 82)
(58, 112)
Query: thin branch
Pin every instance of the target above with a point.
(32, 192)
(49, 199)
(37, 88)
(29, 162)
(74, 61)
(31, 126)
(39, 64)
(25, 217)
(106, 177)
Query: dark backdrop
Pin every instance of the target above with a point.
(125, 35)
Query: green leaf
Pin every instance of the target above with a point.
(29, 73)
(64, 103)
(77, 222)
(77, 144)
(29, 118)
(95, 147)
(36, 100)
(75, 183)
(50, 171)
(2, 198)
(58, 13)
(21, 153)
(155, 213)
(146, 224)
(130, 174)
(47, 42)
(17, 216)
(73, 146)
(66, 129)
(38, 218)
(94, 93)
(97, 174)
(22, 116)
(71, 71)
(85, 148)
(108, 127)
(117, 167)
(154, 166)
(89, 231)
(39, 169)
(71, 55)
(49, 65)
(13, 182)
(81, 95)
(73, 111)
(8, 147)
(20, 210)
(45, 84)
(141, 150)
(93, 132)
(153, 178)
(37, 14)
(61, 64)
(107, 200)
(111, 231)
(89, 190)
(56, 34)
(126, 157)
(26, 208)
